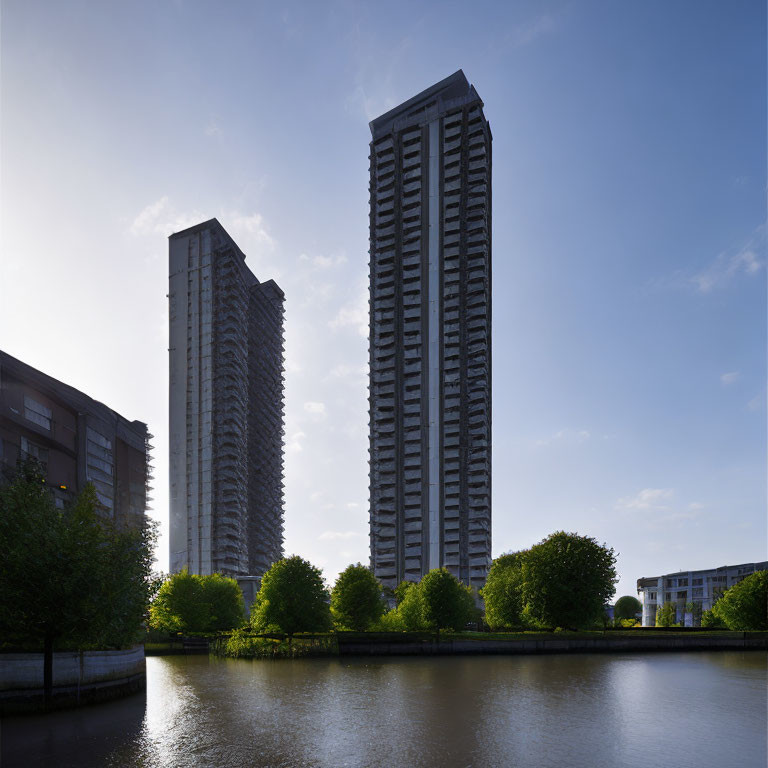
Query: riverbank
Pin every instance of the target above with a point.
(79, 677)
(398, 644)
(243, 645)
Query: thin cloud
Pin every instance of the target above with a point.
(339, 535)
(315, 409)
(730, 378)
(648, 498)
(565, 436)
(729, 265)
(354, 315)
(164, 218)
(323, 262)
(529, 32)
(294, 443)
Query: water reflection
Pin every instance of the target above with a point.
(590, 710)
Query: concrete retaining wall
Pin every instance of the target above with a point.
(78, 678)
(732, 641)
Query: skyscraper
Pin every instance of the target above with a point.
(226, 408)
(430, 336)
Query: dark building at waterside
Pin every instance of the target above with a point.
(75, 439)
(430, 336)
(226, 408)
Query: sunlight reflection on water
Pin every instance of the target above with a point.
(685, 709)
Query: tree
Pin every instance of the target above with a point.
(627, 607)
(409, 614)
(179, 605)
(447, 603)
(356, 600)
(224, 598)
(710, 621)
(502, 592)
(189, 603)
(567, 579)
(401, 589)
(666, 614)
(744, 607)
(68, 577)
(292, 598)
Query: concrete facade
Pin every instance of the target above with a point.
(702, 588)
(76, 440)
(226, 408)
(430, 336)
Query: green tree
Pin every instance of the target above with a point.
(356, 601)
(68, 577)
(709, 620)
(292, 598)
(666, 614)
(189, 603)
(401, 589)
(567, 580)
(409, 614)
(224, 599)
(503, 592)
(447, 603)
(627, 607)
(179, 605)
(744, 607)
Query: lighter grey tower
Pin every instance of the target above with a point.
(226, 408)
(430, 336)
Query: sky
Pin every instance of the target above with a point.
(629, 240)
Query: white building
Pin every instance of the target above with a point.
(702, 588)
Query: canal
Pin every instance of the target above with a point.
(682, 709)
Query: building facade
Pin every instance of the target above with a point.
(430, 336)
(700, 588)
(75, 439)
(226, 408)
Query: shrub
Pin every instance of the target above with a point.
(627, 607)
(666, 615)
(744, 607)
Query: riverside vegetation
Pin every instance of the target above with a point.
(560, 584)
(70, 579)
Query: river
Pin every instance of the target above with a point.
(596, 710)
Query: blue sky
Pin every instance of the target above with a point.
(629, 180)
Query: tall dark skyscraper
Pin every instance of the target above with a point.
(226, 408)
(430, 336)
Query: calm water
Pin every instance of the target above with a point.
(697, 709)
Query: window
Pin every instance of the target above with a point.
(37, 413)
(667, 597)
(651, 595)
(698, 591)
(682, 582)
(31, 450)
(100, 466)
(697, 582)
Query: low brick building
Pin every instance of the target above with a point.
(76, 440)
